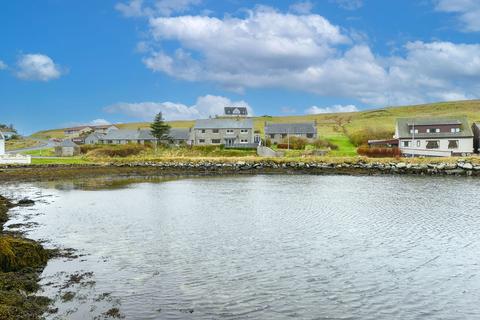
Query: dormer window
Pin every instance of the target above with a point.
(433, 130)
(455, 130)
(413, 131)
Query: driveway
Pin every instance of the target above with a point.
(45, 144)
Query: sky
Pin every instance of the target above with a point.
(65, 63)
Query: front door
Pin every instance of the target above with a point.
(229, 142)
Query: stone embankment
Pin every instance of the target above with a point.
(461, 167)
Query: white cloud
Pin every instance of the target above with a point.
(270, 49)
(303, 7)
(99, 122)
(139, 8)
(468, 12)
(204, 107)
(3, 65)
(332, 109)
(37, 67)
(349, 4)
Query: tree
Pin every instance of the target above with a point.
(159, 128)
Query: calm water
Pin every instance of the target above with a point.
(263, 247)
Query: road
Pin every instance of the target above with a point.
(46, 144)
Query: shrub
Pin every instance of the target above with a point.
(295, 143)
(379, 152)
(362, 136)
(117, 150)
(324, 144)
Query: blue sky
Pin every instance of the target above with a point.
(79, 62)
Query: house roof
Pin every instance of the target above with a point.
(90, 127)
(236, 111)
(404, 124)
(223, 124)
(290, 128)
(128, 135)
(68, 144)
(179, 134)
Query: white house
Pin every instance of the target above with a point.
(2, 144)
(434, 137)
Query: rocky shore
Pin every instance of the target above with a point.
(460, 167)
(21, 262)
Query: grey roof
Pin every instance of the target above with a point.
(224, 124)
(179, 134)
(403, 126)
(68, 144)
(290, 128)
(142, 134)
(236, 111)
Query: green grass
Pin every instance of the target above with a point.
(73, 160)
(345, 147)
(41, 153)
(16, 144)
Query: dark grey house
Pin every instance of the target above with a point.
(176, 136)
(179, 136)
(229, 132)
(476, 137)
(236, 111)
(278, 132)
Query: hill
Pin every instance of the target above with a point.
(344, 129)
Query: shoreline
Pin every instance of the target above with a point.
(461, 167)
(22, 261)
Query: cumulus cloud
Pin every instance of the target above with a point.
(333, 109)
(349, 4)
(37, 67)
(204, 107)
(305, 52)
(140, 8)
(468, 12)
(3, 65)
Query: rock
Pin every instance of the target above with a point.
(26, 202)
(467, 166)
(401, 165)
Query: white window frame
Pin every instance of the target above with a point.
(406, 143)
(230, 131)
(243, 140)
(454, 130)
(243, 130)
(412, 131)
(419, 143)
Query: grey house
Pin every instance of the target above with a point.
(179, 136)
(229, 132)
(67, 149)
(94, 138)
(236, 111)
(278, 132)
(476, 139)
(140, 136)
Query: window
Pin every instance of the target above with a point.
(433, 144)
(244, 131)
(413, 131)
(217, 141)
(203, 131)
(455, 130)
(215, 130)
(418, 143)
(284, 135)
(406, 143)
(309, 135)
(452, 144)
(243, 141)
(272, 136)
(229, 131)
(201, 140)
(433, 130)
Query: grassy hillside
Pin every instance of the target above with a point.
(336, 127)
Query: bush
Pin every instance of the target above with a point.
(379, 152)
(295, 143)
(124, 150)
(362, 136)
(324, 144)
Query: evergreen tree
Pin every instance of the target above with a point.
(159, 128)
